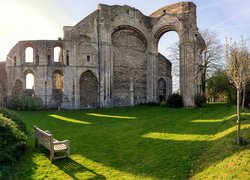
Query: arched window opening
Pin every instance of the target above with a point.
(48, 59)
(88, 58)
(58, 80)
(57, 54)
(67, 57)
(88, 90)
(29, 54)
(168, 47)
(162, 90)
(37, 59)
(48, 56)
(29, 81)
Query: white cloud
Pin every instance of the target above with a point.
(28, 20)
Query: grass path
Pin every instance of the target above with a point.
(139, 143)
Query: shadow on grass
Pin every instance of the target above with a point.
(71, 167)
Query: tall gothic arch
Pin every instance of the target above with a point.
(181, 18)
(129, 86)
(88, 90)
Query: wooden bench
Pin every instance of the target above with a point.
(45, 138)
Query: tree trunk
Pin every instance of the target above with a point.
(243, 97)
(238, 117)
(203, 83)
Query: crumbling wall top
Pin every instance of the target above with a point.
(175, 9)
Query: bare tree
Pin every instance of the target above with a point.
(238, 63)
(212, 56)
(174, 57)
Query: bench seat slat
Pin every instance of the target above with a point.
(60, 147)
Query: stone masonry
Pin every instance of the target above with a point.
(110, 59)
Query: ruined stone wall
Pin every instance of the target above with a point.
(176, 9)
(129, 68)
(164, 69)
(42, 67)
(3, 85)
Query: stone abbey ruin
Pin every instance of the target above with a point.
(108, 59)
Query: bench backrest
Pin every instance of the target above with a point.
(44, 138)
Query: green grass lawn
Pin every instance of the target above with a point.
(142, 142)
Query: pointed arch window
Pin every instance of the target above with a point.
(57, 53)
(67, 57)
(88, 58)
(57, 80)
(30, 81)
(162, 89)
(29, 54)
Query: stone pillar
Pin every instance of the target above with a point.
(105, 74)
(188, 72)
(76, 85)
(151, 77)
(131, 87)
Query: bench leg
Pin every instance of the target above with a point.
(51, 156)
(35, 142)
(68, 152)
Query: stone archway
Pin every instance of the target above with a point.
(191, 44)
(17, 90)
(129, 85)
(57, 89)
(88, 90)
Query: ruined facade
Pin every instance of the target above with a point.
(3, 85)
(109, 59)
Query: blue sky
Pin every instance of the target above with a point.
(44, 19)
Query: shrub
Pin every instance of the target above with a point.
(175, 101)
(200, 100)
(12, 142)
(26, 103)
(163, 104)
(14, 117)
(149, 104)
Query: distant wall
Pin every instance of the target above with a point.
(3, 84)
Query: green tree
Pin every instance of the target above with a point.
(218, 86)
(212, 55)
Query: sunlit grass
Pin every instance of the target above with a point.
(227, 132)
(235, 115)
(219, 120)
(236, 166)
(177, 137)
(77, 167)
(193, 137)
(207, 120)
(103, 169)
(110, 116)
(68, 119)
